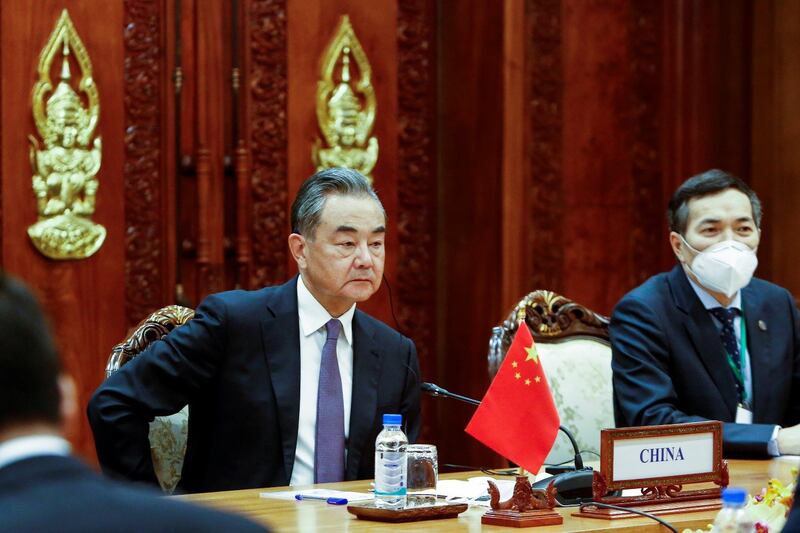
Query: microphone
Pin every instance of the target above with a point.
(436, 390)
(573, 485)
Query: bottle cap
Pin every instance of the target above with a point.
(392, 420)
(734, 495)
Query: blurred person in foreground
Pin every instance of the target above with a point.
(42, 486)
(707, 340)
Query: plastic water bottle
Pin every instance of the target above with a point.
(733, 518)
(390, 464)
(495, 354)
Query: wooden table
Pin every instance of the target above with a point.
(308, 516)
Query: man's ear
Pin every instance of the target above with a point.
(297, 246)
(678, 249)
(68, 406)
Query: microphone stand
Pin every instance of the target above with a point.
(437, 391)
(573, 485)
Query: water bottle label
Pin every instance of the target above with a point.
(390, 473)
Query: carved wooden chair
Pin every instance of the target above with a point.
(575, 351)
(168, 434)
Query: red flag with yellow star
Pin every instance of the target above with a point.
(517, 417)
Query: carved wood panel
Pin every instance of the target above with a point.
(595, 147)
(145, 250)
(416, 181)
(543, 132)
(267, 124)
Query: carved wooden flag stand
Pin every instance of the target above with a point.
(526, 507)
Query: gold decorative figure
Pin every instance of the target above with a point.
(345, 107)
(65, 170)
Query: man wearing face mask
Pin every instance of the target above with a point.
(707, 341)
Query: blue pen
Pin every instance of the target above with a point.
(332, 501)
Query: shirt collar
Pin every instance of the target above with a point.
(313, 316)
(20, 448)
(708, 301)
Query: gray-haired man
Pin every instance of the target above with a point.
(287, 384)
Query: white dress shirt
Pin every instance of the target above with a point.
(709, 302)
(313, 317)
(20, 448)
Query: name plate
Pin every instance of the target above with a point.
(649, 456)
(661, 461)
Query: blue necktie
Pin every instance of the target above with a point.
(728, 334)
(329, 441)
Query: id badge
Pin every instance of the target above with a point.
(743, 415)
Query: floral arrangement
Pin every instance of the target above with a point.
(768, 508)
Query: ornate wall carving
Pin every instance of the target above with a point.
(144, 242)
(268, 140)
(644, 34)
(543, 152)
(416, 180)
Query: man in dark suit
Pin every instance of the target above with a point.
(706, 340)
(793, 520)
(43, 488)
(287, 384)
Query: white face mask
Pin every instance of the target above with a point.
(724, 267)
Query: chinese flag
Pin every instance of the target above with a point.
(517, 417)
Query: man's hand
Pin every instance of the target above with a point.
(789, 440)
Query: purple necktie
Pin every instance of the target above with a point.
(329, 442)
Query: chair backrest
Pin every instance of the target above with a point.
(149, 330)
(168, 434)
(575, 351)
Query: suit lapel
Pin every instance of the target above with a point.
(280, 332)
(758, 348)
(705, 337)
(366, 369)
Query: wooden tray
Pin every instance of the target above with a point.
(418, 508)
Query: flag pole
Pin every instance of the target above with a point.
(521, 314)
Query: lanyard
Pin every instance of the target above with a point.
(738, 372)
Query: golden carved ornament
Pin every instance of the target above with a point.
(551, 315)
(65, 169)
(346, 106)
(156, 326)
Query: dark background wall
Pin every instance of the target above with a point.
(525, 144)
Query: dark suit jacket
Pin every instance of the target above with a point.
(793, 521)
(55, 493)
(670, 366)
(237, 365)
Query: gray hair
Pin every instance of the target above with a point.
(307, 206)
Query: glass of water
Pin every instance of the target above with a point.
(422, 470)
